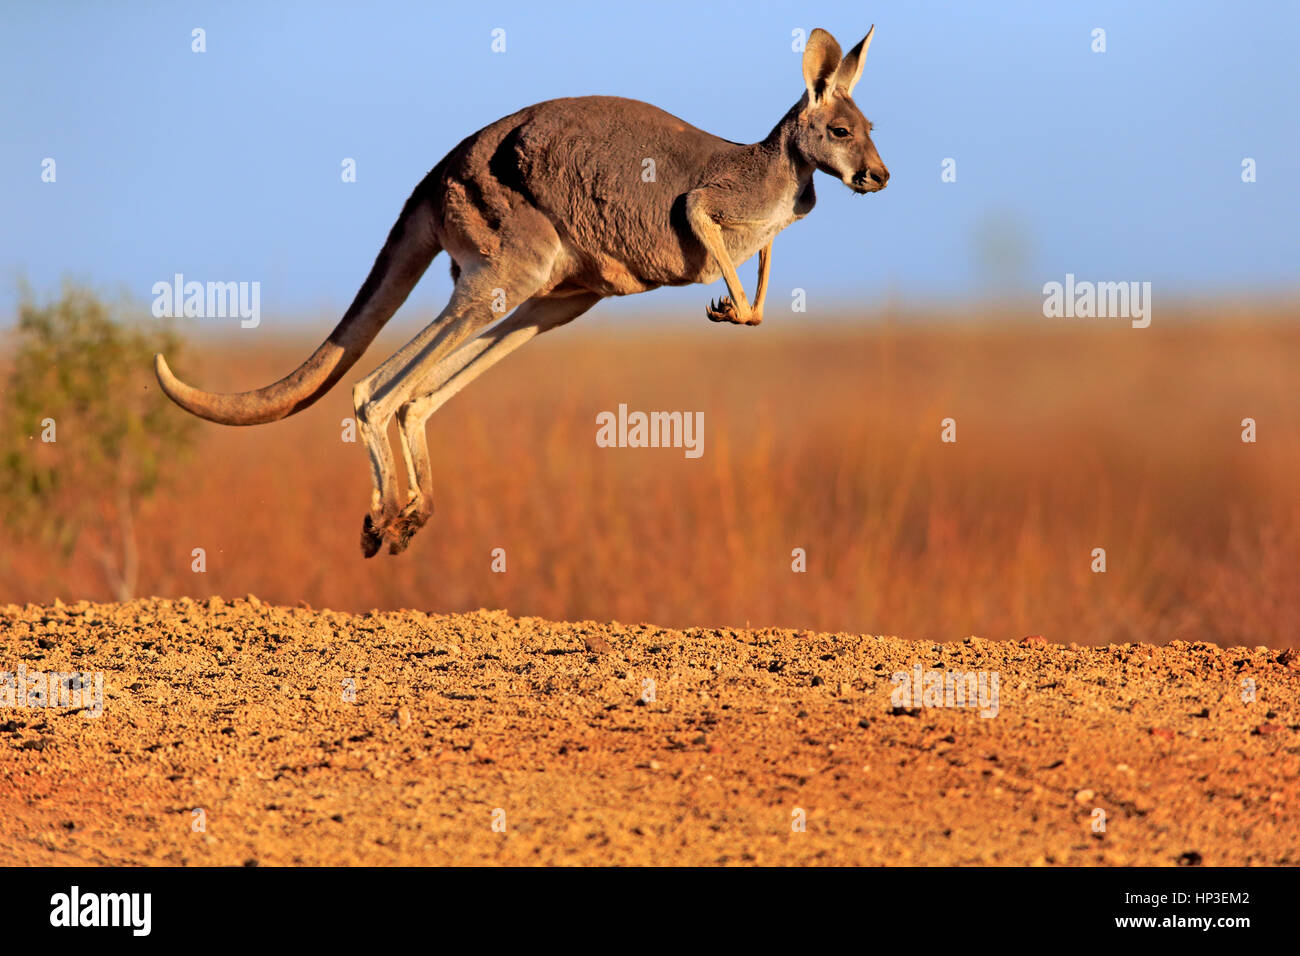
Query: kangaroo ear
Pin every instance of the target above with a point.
(850, 69)
(821, 57)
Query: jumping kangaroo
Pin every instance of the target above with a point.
(545, 213)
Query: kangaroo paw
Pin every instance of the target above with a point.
(725, 310)
(371, 538)
(404, 527)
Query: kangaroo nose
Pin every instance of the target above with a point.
(880, 176)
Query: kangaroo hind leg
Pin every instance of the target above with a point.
(451, 375)
(483, 293)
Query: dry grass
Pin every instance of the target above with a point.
(1069, 438)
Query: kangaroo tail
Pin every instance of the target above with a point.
(411, 246)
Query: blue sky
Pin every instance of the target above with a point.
(225, 165)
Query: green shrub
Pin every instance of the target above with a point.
(85, 433)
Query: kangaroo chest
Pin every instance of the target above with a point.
(745, 237)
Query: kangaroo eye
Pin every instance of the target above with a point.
(839, 132)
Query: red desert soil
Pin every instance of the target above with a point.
(239, 709)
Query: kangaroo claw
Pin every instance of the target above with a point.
(371, 538)
(722, 310)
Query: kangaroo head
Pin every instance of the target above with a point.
(831, 132)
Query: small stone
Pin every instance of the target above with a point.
(1164, 733)
(1265, 729)
(1084, 796)
(595, 644)
(403, 717)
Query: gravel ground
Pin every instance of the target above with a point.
(311, 737)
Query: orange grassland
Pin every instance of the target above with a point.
(1070, 437)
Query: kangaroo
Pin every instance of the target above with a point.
(543, 214)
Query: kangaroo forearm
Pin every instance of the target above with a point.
(710, 234)
(764, 263)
